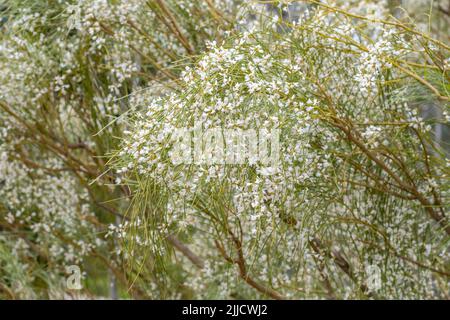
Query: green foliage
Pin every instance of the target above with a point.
(92, 93)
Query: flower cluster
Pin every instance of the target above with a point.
(344, 198)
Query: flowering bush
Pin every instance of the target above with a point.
(357, 184)
(66, 70)
(204, 149)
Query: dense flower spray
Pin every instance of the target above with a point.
(357, 187)
(224, 149)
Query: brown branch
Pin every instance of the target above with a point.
(439, 218)
(240, 261)
(173, 26)
(340, 261)
(196, 260)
